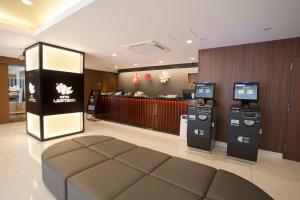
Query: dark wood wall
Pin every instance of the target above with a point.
(4, 99)
(93, 79)
(266, 62)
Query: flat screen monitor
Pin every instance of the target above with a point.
(204, 90)
(187, 93)
(120, 91)
(245, 91)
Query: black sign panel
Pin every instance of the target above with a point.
(32, 92)
(62, 92)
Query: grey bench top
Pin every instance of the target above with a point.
(104, 168)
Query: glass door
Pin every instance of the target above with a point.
(16, 88)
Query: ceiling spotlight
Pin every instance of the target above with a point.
(267, 28)
(27, 2)
(116, 66)
(192, 58)
(136, 65)
(114, 55)
(160, 61)
(189, 41)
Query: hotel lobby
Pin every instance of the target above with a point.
(152, 100)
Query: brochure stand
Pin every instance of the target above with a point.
(93, 107)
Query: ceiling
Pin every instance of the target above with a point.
(103, 27)
(30, 17)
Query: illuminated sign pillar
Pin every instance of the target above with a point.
(54, 91)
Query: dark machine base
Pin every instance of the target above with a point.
(239, 151)
(243, 135)
(199, 143)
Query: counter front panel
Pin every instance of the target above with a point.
(159, 114)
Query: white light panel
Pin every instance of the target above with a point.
(62, 60)
(32, 58)
(58, 125)
(33, 124)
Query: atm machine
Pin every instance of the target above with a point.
(201, 118)
(244, 123)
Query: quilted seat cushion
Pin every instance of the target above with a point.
(143, 159)
(228, 186)
(102, 182)
(191, 176)
(150, 188)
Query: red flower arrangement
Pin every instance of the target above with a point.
(136, 79)
(148, 77)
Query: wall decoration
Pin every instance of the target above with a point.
(31, 88)
(63, 89)
(148, 77)
(136, 79)
(164, 77)
(65, 92)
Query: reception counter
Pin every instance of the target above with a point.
(153, 113)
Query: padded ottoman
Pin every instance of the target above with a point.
(104, 168)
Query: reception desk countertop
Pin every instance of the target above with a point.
(158, 98)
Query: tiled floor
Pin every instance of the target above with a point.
(20, 169)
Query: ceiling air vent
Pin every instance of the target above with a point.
(147, 47)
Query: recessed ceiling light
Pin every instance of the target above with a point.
(189, 41)
(192, 58)
(160, 61)
(116, 66)
(136, 65)
(114, 54)
(267, 28)
(27, 2)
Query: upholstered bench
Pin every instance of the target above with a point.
(105, 168)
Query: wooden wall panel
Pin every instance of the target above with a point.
(277, 93)
(266, 62)
(230, 68)
(92, 79)
(11, 61)
(255, 63)
(4, 106)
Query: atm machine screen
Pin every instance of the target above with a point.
(246, 91)
(204, 90)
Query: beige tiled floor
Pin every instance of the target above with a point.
(20, 169)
